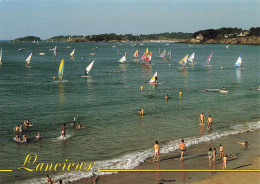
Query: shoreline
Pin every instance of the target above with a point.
(194, 158)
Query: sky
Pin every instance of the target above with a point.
(48, 18)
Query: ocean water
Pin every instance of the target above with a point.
(106, 104)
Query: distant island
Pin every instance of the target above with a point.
(209, 36)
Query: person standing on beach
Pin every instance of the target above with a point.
(48, 178)
(214, 155)
(182, 148)
(225, 162)
(156, 151)
(63, 130)
(202, 118)
(210, 120)
(210, 156)
(221, 151)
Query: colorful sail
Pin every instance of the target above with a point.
(123, 59)
(89, 67)
(209, 58)
(29, 59)
(61, 68)
(136, 54)
(1, 56)
(146, 51)
(163, 53)
(149, 57)
(144, 56)
(183, 62)
(154, 78)
(72, 53)
(191, 58)
(238, 64)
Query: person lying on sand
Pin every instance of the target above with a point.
(244, 144)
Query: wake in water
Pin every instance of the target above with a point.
(62, 137)
(134, 159)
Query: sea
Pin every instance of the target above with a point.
(114, 135)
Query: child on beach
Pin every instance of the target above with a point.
(221, 151)
(210, 156)
(182, 148)
(156, 151)
(225, 162)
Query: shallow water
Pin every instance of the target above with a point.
(107, 104)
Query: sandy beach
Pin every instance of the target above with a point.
(196, 158)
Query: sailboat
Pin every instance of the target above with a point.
(55, 51)
(149, 58)
(61, 68)
(123, 59)
(144, 56)
(183, 62)
(154, 79)
(238, 64)
(163, 54)
(88, 69)
(136, 55)
(28, 59)
(170, 54)
(191, 58)
(72, 53)
(1, 57)
(227, 46)
(208, 60)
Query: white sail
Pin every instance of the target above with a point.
(89, 67)
(163, 53)
(55, 50)
(191, 58)
(239, 62)
(29, 59)
(1, 56)
(123, 59)
(72, 53)
(154, 78)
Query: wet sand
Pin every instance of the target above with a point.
(196, 158)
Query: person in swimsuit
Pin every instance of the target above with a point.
(156, 151)
(182, 148)
(202, 118)
(210, 156)
(74, 122)
(24, 139)
(244, 144)
(225, 161)
(142, 111)
(19, 139)
(25, 123)
(210, 120)
(214, 155)
(21, 128)
(221, 151)
(166, 97)
(48, 178)
(79, 126)
(63, 130)
(16, 128)
(16, 137)
(38, 136)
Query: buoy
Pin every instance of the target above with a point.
(180, 93)
(141, 88)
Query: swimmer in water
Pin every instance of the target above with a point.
(166, 97)
(63, 130)
(79, 126)
(156, 151)
(38, 135)
(24, 139)
(16, 128)
(21, 128)
(202, 118)
(210, 120)
(74, 122)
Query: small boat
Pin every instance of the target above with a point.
(163, 54)
(123, 59)
(28, 59)
(154, 79)
(72, 53)
(238, 64)
(149, 58)
(88, 69)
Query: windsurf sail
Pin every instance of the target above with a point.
(144, 56)
(146, 51)
(89, 68)
(163, 53)
(238, 64)
(55, 51)
(1, 56)
(149, 57)
(191, 58)
(123, 59)
(227, 46)
(170, 54)
(29, 59)
(154, 78)
(136, 54)
(61, 68)
(183, 62)
(209, 58)
(72, 53)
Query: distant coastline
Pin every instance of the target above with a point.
(209, 36)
